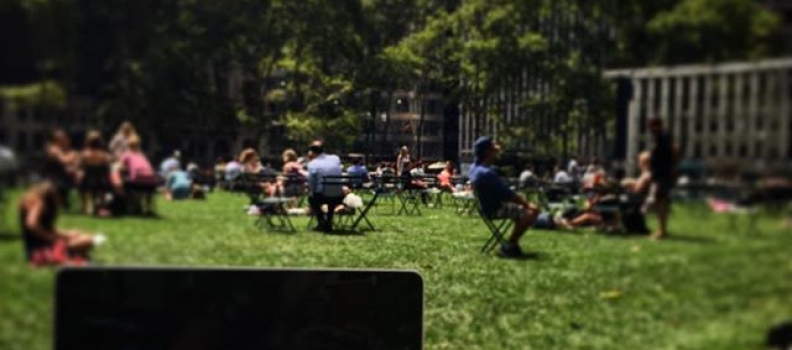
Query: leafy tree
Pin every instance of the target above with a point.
(712, 31)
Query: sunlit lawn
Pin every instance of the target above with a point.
(710, 287)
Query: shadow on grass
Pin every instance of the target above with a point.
(7, 236)
(345, 232)
(671, 238)
(527, 256)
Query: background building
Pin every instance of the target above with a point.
(725, 115)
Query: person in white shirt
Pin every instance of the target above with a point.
(527, 176)
(573, 167)
(561, 176)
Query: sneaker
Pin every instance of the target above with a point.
(509, 250)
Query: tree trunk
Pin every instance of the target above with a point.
(419, 131)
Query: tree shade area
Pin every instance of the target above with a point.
(710, 286)
(295, 69)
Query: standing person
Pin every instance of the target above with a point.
(95, 182)
(323, 165)
(496, 198)
(663, 161)
(120, 141)
(60, 166)
(44, 243)
(402, 160)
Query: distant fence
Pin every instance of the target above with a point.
(732, 113)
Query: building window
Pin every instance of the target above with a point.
(402, 105)
(431, 128)
(759, 123)
(759, 150)
(713, 126)
(39, 138)
(697, 150)
(22, 144)
(713, 151)
(728, 150)
(743, 150)
(434, 106)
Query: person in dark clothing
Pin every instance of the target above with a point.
(94, 182)
(496, 198)
(44, 243)
(663, 164)
(60, 165)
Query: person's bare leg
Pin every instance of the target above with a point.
(79, 242)
(522, 225)
(586, 219)
(149, 199)
(86, 202)
(662, 221)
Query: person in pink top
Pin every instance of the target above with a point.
(444, 178)
(141, 180)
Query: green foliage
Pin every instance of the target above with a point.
(265, 64)
(713, 30)
(43, 94)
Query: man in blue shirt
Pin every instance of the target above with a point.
(497, 200)
(358, 169)
(320, 194)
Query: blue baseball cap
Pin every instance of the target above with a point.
(482, 145)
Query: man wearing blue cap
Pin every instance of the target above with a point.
(495, 196)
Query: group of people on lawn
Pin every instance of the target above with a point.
(498, 200)
(112, 180)
(124, 167)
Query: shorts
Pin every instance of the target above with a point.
(662, 191)
(510, 211)
(181, 192)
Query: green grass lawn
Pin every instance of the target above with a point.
(708, 287)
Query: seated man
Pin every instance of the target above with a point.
(496, 198)
(319, 194)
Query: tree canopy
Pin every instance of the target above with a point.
(295, 70)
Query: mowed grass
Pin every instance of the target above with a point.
(710, 287)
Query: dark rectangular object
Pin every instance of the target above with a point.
(185, 308)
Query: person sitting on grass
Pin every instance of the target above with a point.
(178, 184)
(496, 198)
(141, 179)
(44, 243)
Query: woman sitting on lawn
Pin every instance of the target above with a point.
(141, 179)
(44, 243)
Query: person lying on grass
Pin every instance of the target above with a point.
(44, 243)
(495, 196)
